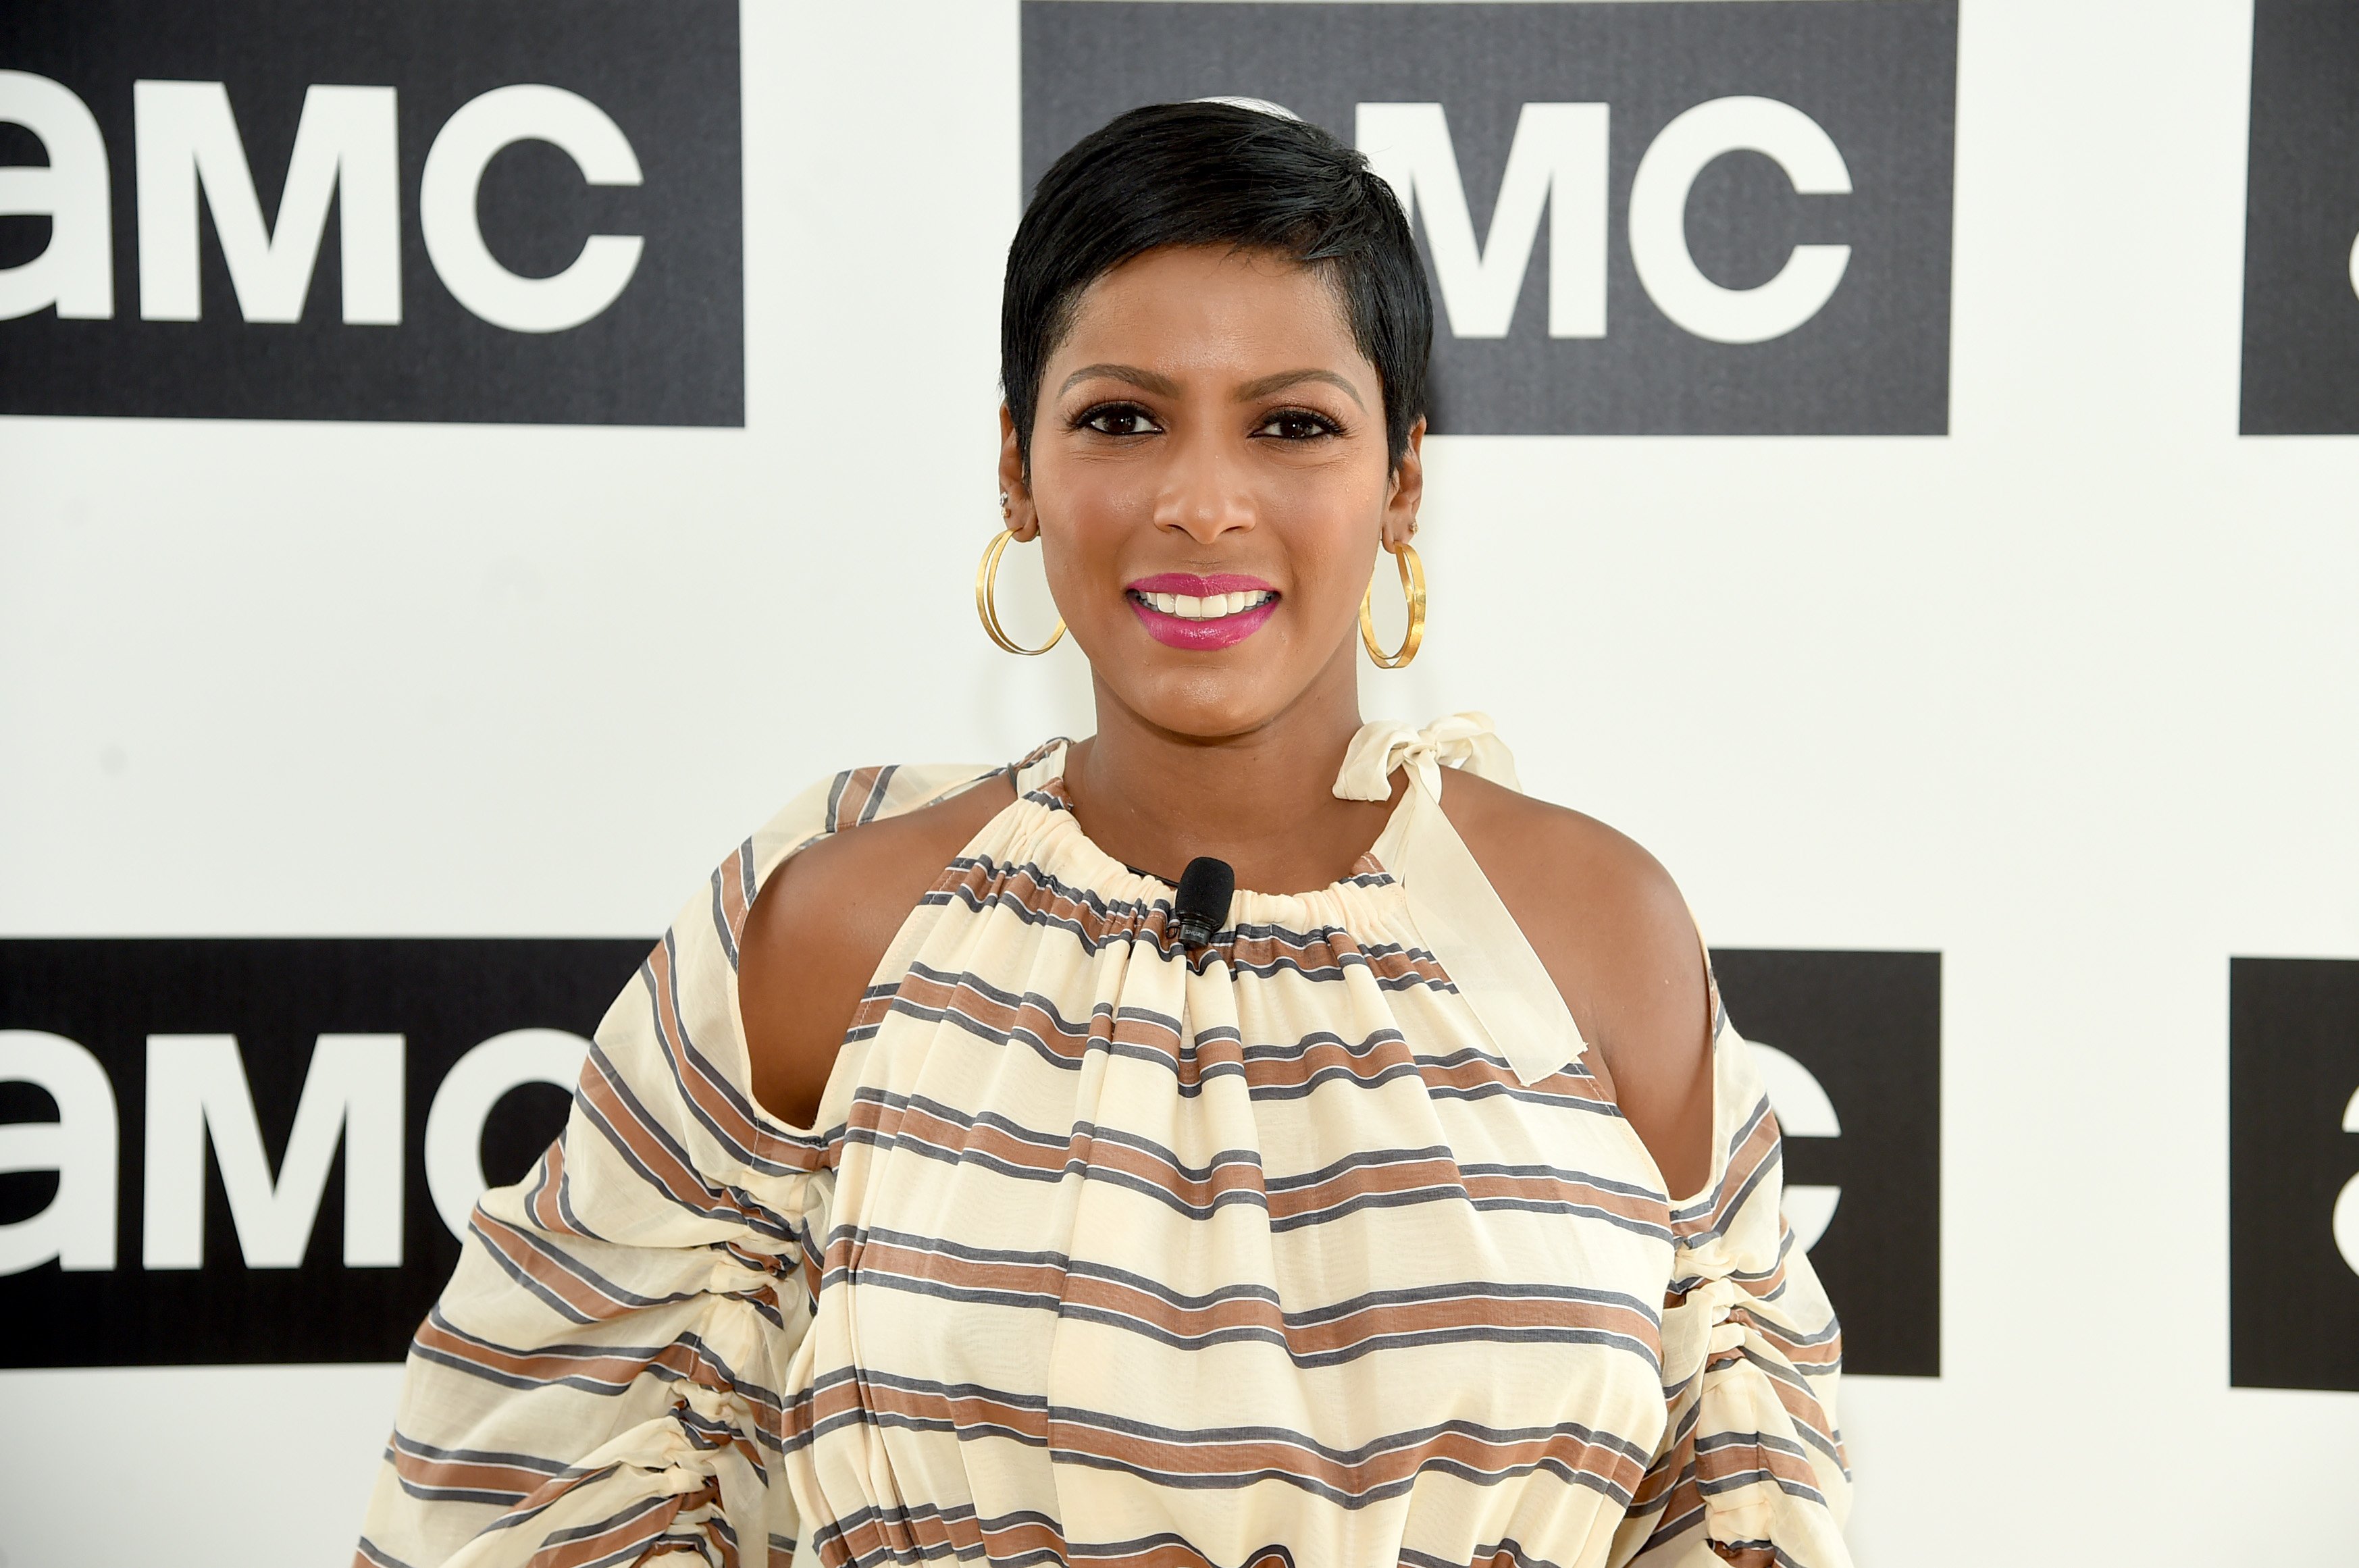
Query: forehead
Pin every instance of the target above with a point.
(1211, 306)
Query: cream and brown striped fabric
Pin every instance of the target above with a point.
(1101, 1254)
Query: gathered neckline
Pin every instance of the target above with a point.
(1041, 780)
(1086, 863)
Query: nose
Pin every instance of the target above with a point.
(1204, 493)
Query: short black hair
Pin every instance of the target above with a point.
(1216, 173)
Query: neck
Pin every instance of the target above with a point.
(1263, 801)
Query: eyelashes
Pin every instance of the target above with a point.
(1291, 425)
(1300, 424)
(1099, 416)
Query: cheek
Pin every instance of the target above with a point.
(1330, 543)
(1088, 509)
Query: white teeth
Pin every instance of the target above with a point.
(1210, 607)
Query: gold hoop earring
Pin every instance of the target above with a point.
(987, 580)
(1412, 582)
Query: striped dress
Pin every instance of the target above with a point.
(1319, 1245)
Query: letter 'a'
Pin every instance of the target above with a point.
(75, 272)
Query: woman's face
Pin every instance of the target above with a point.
(1209, 484)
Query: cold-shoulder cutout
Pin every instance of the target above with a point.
(1610, 927)
(821, 924)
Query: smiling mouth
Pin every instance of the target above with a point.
(1208, 607)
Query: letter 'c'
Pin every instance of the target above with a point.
(1659, 219)
(455, 240)
(454, 1125)
(2346, 1202)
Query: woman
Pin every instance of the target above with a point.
(934, 1193)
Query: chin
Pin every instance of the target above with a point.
(1203, 703)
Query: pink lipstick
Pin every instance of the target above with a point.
(1180, 609)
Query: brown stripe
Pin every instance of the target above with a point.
(727, 1115)
(1759, 1145)
(612, 1370)
(1246, 1457)
(476, 1474)
(637, 1531)
(551, 1273)
(930, 1533)
(1238, 1459)
(734, 875)
(1729, 1460)
(1478, 1308)
(1069, 1041)
(852, 802)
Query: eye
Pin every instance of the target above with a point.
(1117, 420)
(1298, 424)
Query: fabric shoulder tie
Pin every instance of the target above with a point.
(1457, 912)
(1462, 740)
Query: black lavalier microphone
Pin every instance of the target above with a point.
(1201, 907)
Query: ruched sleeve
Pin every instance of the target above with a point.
(1752, 1457)
(602, 1380)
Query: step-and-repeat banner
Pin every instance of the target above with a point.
(463, 465)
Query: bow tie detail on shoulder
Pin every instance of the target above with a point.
(1457, 915)
(1469, 741)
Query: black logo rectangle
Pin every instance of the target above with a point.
(2293, 1173)
(416, 210)
(1682, 218)
(1849, 1045)
(250, 1151)
(2301, 223)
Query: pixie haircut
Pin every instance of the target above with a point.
(1212, 174)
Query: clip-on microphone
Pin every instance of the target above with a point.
(1201, 907)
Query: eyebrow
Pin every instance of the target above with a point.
(1145, 380)
(1163, 385)
(1285, 378)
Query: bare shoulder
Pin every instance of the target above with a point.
(820, 925)
(1613, 932)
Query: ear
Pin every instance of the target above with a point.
(1019, 516)
(1407, 490)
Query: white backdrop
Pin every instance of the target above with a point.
(2066, 696)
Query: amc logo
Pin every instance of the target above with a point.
(1560, 160)
(199, 1095)
(526, 224)
(1849, 1048)
(2301, 223)
(223, 1151)
(2293, 1173)
(1695, 217)
(189, 153)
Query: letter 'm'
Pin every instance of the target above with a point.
(197, 1086)
(76, 271)
(78, 1227)
(344, 152)
(454, 1125)
(454, 240)
(1659, 219)
(1558, 160)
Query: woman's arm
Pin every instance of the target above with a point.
(821, 925)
